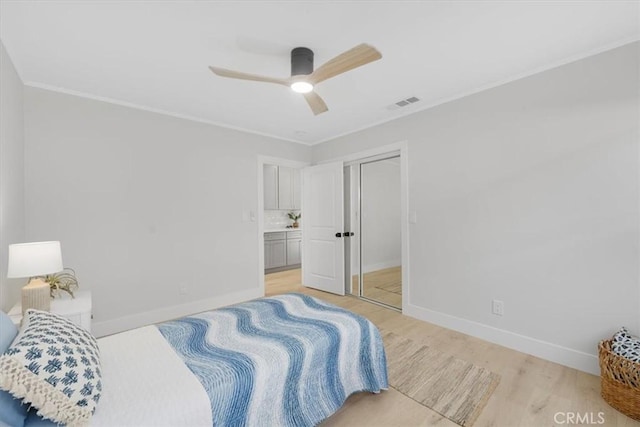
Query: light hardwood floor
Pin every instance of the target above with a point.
(384, 286)
(531, 390)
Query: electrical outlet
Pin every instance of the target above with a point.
(182, 289)
(497, 307)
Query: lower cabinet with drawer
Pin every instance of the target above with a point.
(275, 250)
(282, 250)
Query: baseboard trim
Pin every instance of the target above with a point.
(283, 268)
(124, 323)
(381, 265)
(545, 350)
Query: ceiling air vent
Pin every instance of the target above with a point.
(403, 103)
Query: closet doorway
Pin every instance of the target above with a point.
(373, 209)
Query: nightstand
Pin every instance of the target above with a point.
(77, 309)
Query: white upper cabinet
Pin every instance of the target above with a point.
(285, 187)
(297, 189)
(270, 187)
(282, 189)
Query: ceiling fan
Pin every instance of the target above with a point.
(304, 78)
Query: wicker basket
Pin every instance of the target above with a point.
(620, 380)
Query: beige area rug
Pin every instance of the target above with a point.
(454, 388)
(396, 288)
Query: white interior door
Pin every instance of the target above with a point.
(322, 242)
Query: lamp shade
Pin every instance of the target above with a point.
(34, 259)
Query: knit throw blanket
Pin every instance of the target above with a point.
(289, 360)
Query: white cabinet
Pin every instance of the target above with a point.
(270, 187)
(297, 189)
(282, 189)
(77, 309)
(288, 188)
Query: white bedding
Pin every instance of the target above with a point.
(148, 382)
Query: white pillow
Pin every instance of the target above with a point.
(54, 365)
(626, 345)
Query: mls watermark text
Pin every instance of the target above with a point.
(579, 418)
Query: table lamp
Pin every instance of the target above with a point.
(34, 260)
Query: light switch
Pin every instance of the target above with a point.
(413, 217)
(252, 216)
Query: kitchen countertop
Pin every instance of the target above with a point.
(279, 230)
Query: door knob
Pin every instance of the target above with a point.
(338, 234)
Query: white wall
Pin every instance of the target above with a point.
(380, 215)
(12, 229)
(527, 193)
(145, 204)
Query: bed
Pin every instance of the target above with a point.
(288, 360)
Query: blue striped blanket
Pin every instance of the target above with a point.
(288, 360)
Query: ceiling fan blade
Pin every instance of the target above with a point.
(222, 72)
(353, 58)
(315, 102)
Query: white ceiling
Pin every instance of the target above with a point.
(155, 55)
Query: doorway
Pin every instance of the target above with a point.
(330, 252)
(373, 209)
(279, 207)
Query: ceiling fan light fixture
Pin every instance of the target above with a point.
(301, 87)
(304, 77)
